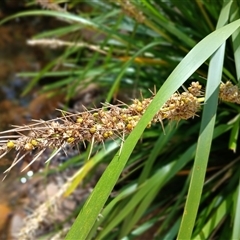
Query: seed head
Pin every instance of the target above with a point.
(110, 121)
(229, 92)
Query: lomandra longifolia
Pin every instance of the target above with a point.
(98, 125)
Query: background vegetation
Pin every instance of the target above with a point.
(181, 180)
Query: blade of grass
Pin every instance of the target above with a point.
(93, 72)
(234, 134)
(148, 188)
(115, 86)
(129, 190)
(141, 229)
(135, 214)
(205, 15)
(235, 14)
(193, 60)
(165, 24)
(205, 136)
(88, 67)
(203, 149)
(80, 174)
(214, 220)
(160, 143)
(236, 224)
(58, 32)
(174, 211)
(190, 152)
(35, 80)
(144, 204)
(173, 230)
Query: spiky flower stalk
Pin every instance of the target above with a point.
(98, 125)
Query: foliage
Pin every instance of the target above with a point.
(138, 45)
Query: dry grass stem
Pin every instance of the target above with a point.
(56, 43)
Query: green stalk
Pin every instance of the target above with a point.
(205, 136)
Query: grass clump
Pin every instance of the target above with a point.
(138, 45)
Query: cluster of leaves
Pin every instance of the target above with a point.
(164, 44)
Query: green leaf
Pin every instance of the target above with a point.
(214, 220)
(205, 136)
(236, 224)
(234, 134)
